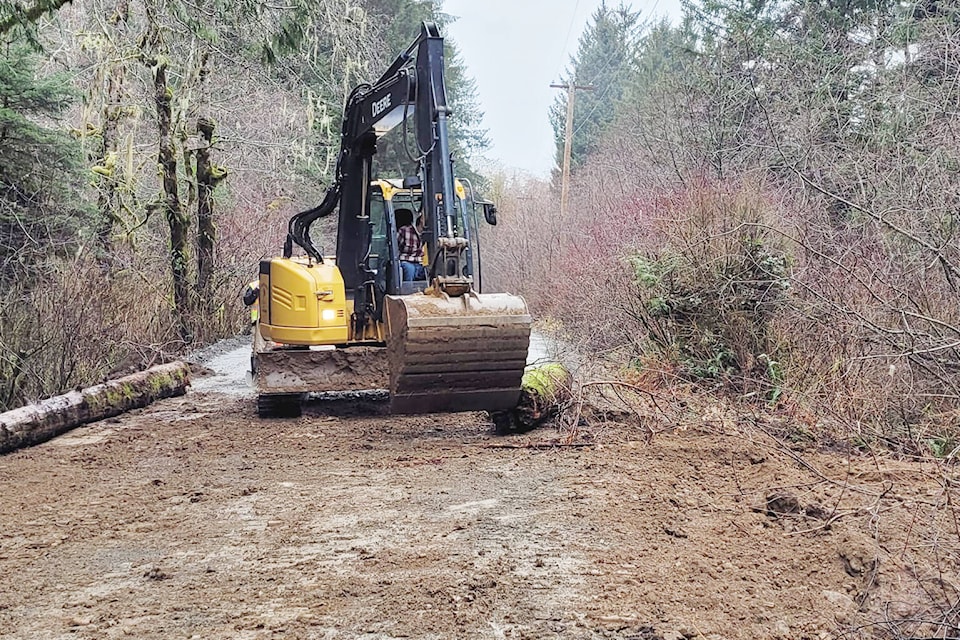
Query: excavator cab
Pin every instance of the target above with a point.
(387, 196)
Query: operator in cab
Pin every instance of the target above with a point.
(410, 246)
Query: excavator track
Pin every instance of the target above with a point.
(464, 353)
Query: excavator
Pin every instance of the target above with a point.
(350, 322)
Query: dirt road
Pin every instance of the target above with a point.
(195, 519)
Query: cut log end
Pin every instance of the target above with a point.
(545, 390)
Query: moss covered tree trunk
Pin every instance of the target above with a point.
(39, 422)
(208, 176)
(544, 391)
(109, 167)
(173, 210)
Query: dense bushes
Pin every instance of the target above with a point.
(773, 214)
(707, 282)
(78, 323)
(740, 289)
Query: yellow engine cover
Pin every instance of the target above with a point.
(302, 303)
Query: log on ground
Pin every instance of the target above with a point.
(544, 391)
(36, 423)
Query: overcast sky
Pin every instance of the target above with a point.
(515, 59)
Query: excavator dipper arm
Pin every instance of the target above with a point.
(413, 86)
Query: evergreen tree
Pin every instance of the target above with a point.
(41, 208)
(402, 20)
(604, 60)
(13, 14)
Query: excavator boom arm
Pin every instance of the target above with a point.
(413, 87)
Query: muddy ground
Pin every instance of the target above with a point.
(194, 519)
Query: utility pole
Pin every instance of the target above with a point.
(568, 142)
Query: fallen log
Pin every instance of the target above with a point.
(36, 423)
(544, 391)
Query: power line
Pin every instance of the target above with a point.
(566, 41)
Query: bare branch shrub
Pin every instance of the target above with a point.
(521, 253)
(708, 278)
(77, 324)
(780, 221)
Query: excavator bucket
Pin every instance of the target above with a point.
(465, 353)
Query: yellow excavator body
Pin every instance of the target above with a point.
(306, 303)
(433, 352)
(356, 321)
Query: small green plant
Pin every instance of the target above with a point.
(647, 273)
(721, 361)
(942, 446)
(774, 376)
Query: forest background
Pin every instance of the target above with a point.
(764, 197)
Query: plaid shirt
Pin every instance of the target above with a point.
(408, 241)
